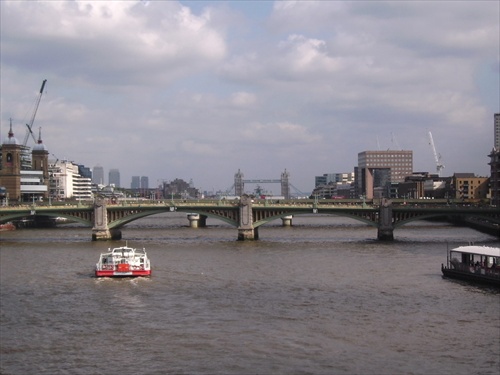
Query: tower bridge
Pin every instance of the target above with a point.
(248, 214)
(239, 183)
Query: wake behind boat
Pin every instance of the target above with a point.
(123, 262)
(478, 264)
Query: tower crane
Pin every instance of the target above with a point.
(32, 120)
(437, 157)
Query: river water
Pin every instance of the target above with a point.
(320, 297)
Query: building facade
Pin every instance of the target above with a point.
(376, 170)
(334, 178)
(136, 183)
(495, 177)
(24, 175)
(496, 127)
(67, 183)
(114, 177)
(98, 175)
(468, 186)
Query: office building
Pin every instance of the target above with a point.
(98, 175)
(378, 169)
(66, 182)
(136, 183)
(144, 182)
(139, 182)
(495, 164)
(334, 178)
(114, 177)
(496, 127)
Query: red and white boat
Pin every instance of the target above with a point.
(7, 226)
(123, 262)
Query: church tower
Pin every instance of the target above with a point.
(10, 172)
(40, 161)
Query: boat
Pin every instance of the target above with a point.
(476, 264)
(123, 261)
(7, 227)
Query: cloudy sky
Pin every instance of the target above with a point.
(199, 89)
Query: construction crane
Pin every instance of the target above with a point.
(437, 157)
(29, 126)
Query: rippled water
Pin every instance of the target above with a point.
(321, 297)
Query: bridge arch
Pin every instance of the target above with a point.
(301, 213)
(416, 217)
(18, 216)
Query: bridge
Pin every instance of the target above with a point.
(247, 214)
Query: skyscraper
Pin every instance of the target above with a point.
(497, 131)
(98, 175)
(114, 177)
(136, 182)
(495, 164)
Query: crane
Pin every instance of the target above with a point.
(32, 120)
(437, 157)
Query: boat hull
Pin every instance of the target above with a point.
(123, 261)
(471, 277)
(113, 273)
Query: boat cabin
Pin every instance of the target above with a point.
(474, 263)
(477, 257)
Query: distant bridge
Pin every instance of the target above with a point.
(248, 214)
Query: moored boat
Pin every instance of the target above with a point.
(7, 226)
(477, 264)
(123, 262)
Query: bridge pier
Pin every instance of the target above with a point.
(246, 230)
(105, 235)
(248, 234)
(197, 220)
(287, 221)
(100, 230)
(385, 226)
(193, 220)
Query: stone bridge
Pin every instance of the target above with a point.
(247, 214)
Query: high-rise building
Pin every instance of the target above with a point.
(497, 131)
(98, 175)
(378, 169)
(144, 182)
(136, 182)
(495, 164)
(114, 177)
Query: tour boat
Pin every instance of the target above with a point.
(477, 264)
(123, 262)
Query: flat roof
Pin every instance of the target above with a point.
(481, 250)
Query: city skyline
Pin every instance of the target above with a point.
(258, 86)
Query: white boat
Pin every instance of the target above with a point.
(477, 264)
(123, 262)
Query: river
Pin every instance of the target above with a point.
(320, 297)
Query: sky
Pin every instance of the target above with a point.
(198, 90)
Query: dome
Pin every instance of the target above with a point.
(11, 140)
(39, 147)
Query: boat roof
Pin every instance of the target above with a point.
(481, 250)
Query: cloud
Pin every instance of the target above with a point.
(200, 89)
(111, 43)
